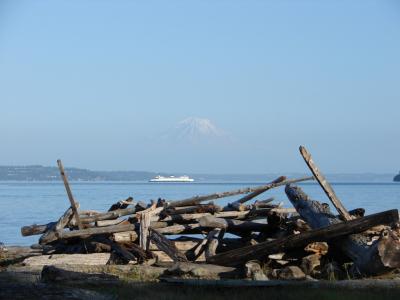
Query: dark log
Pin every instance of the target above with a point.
(69, 193)
(357, 212)
(36, 229)
(94, 231)
(201, 208)
(198, 199)
(167, 246)
(121, 204)
(325, 184)
(379, 257)
(74, 275)
(262, 250)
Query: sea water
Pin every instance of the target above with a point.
(26, 203)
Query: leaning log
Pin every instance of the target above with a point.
(50, 235)
(369, 258)
(166, 246)
(69, 193)
(198, 199)
(262, 250)
(238, 204)
(324, 184)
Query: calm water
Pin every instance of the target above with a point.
(29, 203)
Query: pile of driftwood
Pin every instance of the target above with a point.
(264, 239)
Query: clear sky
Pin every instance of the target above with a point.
(96, 82)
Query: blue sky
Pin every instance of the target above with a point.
(96, 82)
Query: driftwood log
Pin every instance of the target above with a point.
(238, 204)
(94, 231)
(50, 235)
(379, 257)
(340, 229)
(69, 193)
(324, 184)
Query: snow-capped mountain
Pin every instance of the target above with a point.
(195, 130)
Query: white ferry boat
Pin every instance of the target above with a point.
(171, 179)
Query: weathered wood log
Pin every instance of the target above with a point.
(124, 236)
(201, 208)
(181, 229)
(144, 229)
(50, 235)
(213, 239)
(233, 214)
(157, 224)
(109, 222)
(198, 199)
(35, 229)
(167, 246)
(262, 250)
(69, 193)
(232, 225)
(109, 215)
(376, 258)
(324, 184)
(145, 220)
(94, 231)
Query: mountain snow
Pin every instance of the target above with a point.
(195, 130)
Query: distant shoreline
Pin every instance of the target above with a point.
(37, 173)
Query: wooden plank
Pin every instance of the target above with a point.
(262, 250)
(69, 193)
(198, 199)
(324, 184)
